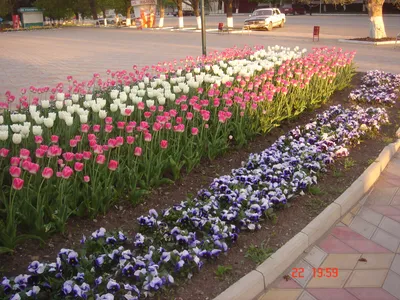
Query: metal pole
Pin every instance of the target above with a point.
(203, 29)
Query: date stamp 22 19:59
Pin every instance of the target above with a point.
(316, 272)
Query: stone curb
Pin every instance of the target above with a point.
(368, 43)
(256, 282)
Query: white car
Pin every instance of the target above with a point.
(265, 18)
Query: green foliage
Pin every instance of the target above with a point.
(222, 271)
(349, 163)
(259, 254)
(315, 205)
(315, 190)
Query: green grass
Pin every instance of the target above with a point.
(259, 254)
(222, 271)
(349, 163)
(337, 173)
(387, 140)
(315, 190)
(315, 205)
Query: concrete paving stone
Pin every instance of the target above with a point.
(356, 208)
(396, 199)
(370, 294)
(278, 294)
(341, 261)
(331, 294)
(370, 216)
(366, 278)
(306, 296)
(395, 267)
(306, 275)
(375, 261)
(345, 233)
(386, 210)
(395, 218)
(334, 245)
(288, 284)
(366, 246)
(381, 196)
(386, 240)
(331, 282)
(392, 284)
(348, 218)
(390, 226)
(363, 227)
(315, 257)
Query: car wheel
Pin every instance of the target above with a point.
(282, 24)
(269, 27)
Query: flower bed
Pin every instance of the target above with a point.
(377, 87)
(174, 243)
(76, 154)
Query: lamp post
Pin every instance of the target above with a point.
(203, 29)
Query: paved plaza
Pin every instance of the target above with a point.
(47, 57)
(362, 252)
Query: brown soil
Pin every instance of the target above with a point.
(368, 39)
(274, 234)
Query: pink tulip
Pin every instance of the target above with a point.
(130, 140)
(47, 173)
(34, 168)
(96, 128)
(147, 114)
(78, 167)
(86, 178)
(100, 159)
(14, 161)
(121, 125)
(157, 126)
(87, 155)
(38, 139)
(108, 128)
(119, 140)
(54, 139)
(78, 156)
(73, 143)
(153, 108)
(147, 137)
(108, 120)
(91, 137)
(128, 112)
(112, 165)
(66, 172)
(98, 149)
(69, 156)
(112, 143)
(189, 116)
(161, 108)
(85, 128)
(164, 144)
(15, 171)
(168, 126)
(26, 164)
(138, 151)
(92, 143)
(195, 131)
(4, 152)
(179, 120)
(140, 105)
(17, 183)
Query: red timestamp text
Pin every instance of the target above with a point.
(316, 272)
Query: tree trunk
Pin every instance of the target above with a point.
(93, 9)
(377, 26)
(128, 16)
(219, 6)
(197, 13)
(162, 15)
(104, 16)
(180, 13)
(229, 16)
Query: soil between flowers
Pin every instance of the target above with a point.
(290, 221)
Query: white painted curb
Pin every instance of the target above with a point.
(249, 287)
(368, 43)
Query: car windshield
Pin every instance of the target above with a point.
(262, 13)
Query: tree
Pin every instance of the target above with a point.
(179, 4)
(195, 5)
(55, 9)
(374, 7)
(229, 15)
(93, 9)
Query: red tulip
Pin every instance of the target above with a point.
(15, 171)
(17, 183)
(164, 144)
(47, 173)
(113, 165)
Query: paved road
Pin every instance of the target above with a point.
(47, 57)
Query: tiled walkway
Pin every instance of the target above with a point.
(359, 258)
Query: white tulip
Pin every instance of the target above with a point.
(1, 119)
(127, 89)
(22, 117)
(25, 130)
(161, 100)
(113, 107)
(17, 138)
(102, 102)
(14, 118)
(153, 84)
(39, 120)
(86, 104)
(146, 80)
(172, 97)
(179, 72)
(188, 76)
(83, 119)
(123, 96)
(45, 103)
(150, 94)
(60, 96)
(163, 77)
(3, 135)
(176, 89)
(141, 85)
(137, 100)
(88, 97)
(141, 93)
(3, 128)
(62, 114)
(96, 108)
(15, 128)
(48, 122)
(37, 130)
(32, 108)
(52, 115)
(69, 121)
(59, 104)
(75, 98)
(185, 90)
(68, 102)
(149, 103)
(132, 96)
(71, 109)
(102, 114)
(114, 94)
